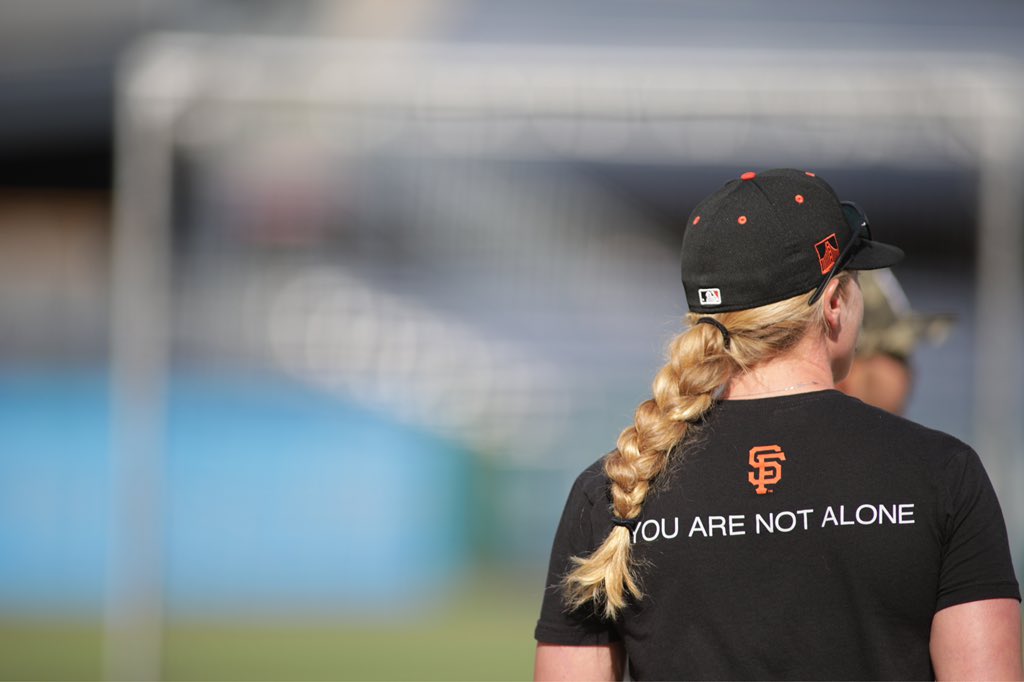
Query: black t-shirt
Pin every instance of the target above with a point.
(800, 537)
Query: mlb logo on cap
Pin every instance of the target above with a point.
(710, 297)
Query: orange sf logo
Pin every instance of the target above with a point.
(767, 460)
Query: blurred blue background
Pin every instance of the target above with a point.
(310, 312)
(264, 504)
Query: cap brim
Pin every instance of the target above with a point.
(872, 255)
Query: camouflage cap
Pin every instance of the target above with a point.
(890, 326)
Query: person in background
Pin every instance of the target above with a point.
(882, 373)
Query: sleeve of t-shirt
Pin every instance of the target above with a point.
(976, 560)
(575, 536)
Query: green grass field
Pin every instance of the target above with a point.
(485, 634)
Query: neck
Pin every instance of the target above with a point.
(803, 369)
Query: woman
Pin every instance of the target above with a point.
(755, 523)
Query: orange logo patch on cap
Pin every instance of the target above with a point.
(828, 253)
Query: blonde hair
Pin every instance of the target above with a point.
(684, 389)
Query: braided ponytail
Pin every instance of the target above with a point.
(684, 389)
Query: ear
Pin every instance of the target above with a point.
(833, 302)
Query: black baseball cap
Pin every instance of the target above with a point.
(769, 236)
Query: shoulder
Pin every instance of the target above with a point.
(909, 437)
(585, 519)
(592, 485)
(888, 442)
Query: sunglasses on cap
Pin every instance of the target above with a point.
(860, 229)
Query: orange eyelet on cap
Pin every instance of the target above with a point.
(742, 220)
(809, 174)
(799, 198)
(696, 220)
(749, 175)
